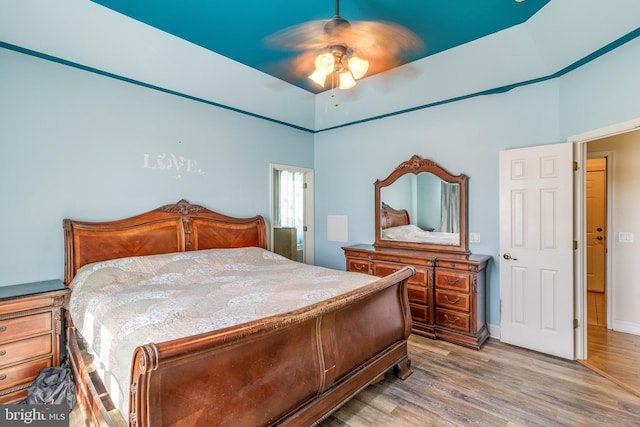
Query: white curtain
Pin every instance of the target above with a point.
(289, 200)
(450, 205)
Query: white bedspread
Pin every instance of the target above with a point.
(413, 233)
(119, 304)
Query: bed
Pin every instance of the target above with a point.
(396, 225)
(290, 367)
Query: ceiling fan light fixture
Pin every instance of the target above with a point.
(325, 63)
(358, 67)
(346, 80)
(318, 78)
(338, 47)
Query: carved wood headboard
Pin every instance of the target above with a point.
(390, 217)
(171, 228)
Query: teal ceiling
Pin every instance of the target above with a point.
(237, 29)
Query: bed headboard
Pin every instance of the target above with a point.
(171, 228)
(390, 217)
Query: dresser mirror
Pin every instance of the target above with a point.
(420, 205)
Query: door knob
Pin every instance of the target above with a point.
(599, 237)
(599, 229)
(508, 257)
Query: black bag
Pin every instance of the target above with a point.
(53, 386)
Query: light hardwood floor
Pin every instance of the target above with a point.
(615, 355)
(500, 385)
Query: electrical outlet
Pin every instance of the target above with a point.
(474, 237)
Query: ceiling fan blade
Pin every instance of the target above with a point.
(383, 44)
(360, 35)
(309, 35)
(375, 39)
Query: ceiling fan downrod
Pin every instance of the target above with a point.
(336, 24)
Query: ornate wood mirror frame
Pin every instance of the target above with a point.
(386, 216)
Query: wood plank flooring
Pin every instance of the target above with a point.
(500, 385)
(615, 355)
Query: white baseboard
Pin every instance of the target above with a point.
(626, 327)
(494, 330)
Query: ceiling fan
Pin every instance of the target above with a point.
(343, 52)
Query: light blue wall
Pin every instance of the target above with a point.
(603, 92)
(463, 137)
(73, 144)
(466, 137)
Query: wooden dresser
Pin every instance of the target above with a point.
(30, 331)
(446, 295)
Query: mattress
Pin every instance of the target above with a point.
(120, 304)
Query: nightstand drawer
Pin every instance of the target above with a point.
(452, 300)
(25, 349)
(18, 327)
(23, 373)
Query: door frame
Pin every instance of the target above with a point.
(308, 209)
(580, 220)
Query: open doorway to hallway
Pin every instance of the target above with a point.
(612, 303)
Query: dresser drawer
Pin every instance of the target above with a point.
(450, 280)
(25, 349)
(403, 259)
(18, 327)
(453, 319)
(417, 294)
(457, 301)
(456, 265)
(356, 253)
(419, 313)
(23, 373)
(359, 266)
(420, 278)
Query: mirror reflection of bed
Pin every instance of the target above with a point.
(396, 225)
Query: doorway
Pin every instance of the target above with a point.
(291, 200)
(606, 307)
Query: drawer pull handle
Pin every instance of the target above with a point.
(3, 328)
(359, 267)
(451, 281)
(3, 377)
(456, 320)
(3, 352)
(455, 301)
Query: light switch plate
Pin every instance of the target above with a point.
(474, 237)
(625, 237)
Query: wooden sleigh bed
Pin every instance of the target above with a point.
(288, 369)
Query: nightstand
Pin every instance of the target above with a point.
(30, 331)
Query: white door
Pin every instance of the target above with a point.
(596, 224)
(536, 248)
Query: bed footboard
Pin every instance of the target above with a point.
(294, 369)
